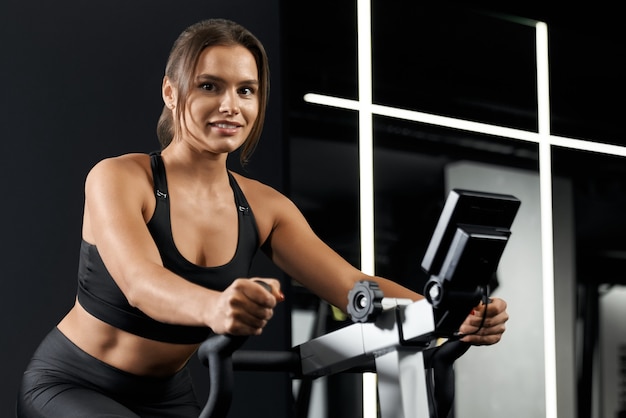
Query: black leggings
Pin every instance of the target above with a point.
(62, 381)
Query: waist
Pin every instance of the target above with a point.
(123, 350)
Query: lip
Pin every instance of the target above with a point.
(226, 127)
(225, 124)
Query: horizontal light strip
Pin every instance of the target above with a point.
(332, 101)
(444, 121)
(588, 145)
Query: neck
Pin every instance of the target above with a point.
(192, 166)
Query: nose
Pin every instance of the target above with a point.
(229, 103)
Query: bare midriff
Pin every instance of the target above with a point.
(122, 350)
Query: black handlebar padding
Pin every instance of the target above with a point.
(441, 360)
(267, 361)
(216, 353)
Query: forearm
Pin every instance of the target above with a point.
(168, 298)
(392, 289)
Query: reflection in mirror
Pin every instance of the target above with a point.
(454, 61)
(451, 61)
(598, 183)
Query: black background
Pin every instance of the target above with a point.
(81, 82)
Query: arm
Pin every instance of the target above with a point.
(300, 253)
(118, 202)
(296, 249)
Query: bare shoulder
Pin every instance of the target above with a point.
(128, 168)
(127, 177)
(270, 207)
(116, 187)
(258, 192)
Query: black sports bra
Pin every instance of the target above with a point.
(100, 296)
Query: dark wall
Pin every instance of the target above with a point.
(81, 81)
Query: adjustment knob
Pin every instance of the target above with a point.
(365, 301)
(434, 292)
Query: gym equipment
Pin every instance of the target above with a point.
(216, 353)
(464, 252)
(396, 337)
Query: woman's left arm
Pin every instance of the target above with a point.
(295, 248)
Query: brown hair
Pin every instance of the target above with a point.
(182, 63)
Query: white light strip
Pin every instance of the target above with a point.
(547, 242)
(588, 146)
(465, 125)
(366, 173)
(366, 147)
(332, 101)
(422, 117)
(370, 395)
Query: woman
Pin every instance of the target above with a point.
(168, 239)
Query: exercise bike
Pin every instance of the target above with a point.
(395, 338)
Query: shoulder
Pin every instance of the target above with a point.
(128, 174)
(132, 167)
(258, 192)
(118, 185)
(270, 206)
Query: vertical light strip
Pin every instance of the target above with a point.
(370, 395)
(547, 237)
(366, 172)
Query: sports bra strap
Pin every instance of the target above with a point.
(158, 171)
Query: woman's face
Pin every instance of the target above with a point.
(223, 103)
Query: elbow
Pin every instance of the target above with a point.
(132, 295)
(132, 287)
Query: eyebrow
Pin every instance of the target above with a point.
(208, 77)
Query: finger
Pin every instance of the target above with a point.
(246, 304)
(470, 326)
(494, 307)
(482, 339)
(241, 328)
(484, 331)
(253, 326)
(494, 318)
(243, 321)
(245, 291)
(475, 323)
(483, 336)
(274, 287)
(252, 312)
(265, 285)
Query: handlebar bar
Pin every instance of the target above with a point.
(216, 353)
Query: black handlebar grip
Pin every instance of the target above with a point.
(441, 360)
(216, 353)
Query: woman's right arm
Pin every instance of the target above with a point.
(117, 199)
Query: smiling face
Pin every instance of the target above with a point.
(222, 105)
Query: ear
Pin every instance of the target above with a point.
(168, 91)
